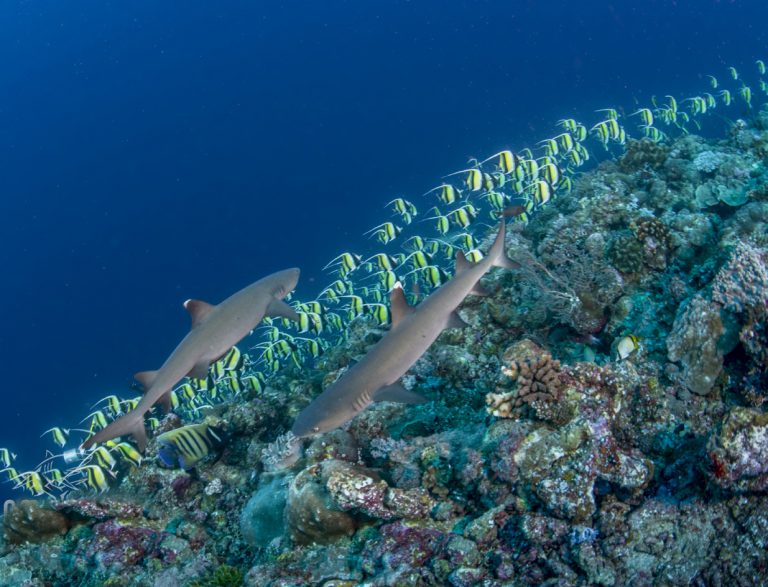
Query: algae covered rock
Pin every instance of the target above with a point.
(560, 467)
(693, 342)
(262, 519)
(31, 521)
(311, 513)
(739, 451)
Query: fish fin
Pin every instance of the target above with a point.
(198, 310)
(479, 290)
(146, 378)
(497, 252)
(397, 393)
(456, 321)
(398, 305)
(199, 371)
(278, 308)
(132, 423)
(165, 401)
(461, 262)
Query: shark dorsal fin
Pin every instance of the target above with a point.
(398, 305)
(198, 310)
(461, 263)
(146, 378)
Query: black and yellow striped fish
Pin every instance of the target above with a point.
(184, 447)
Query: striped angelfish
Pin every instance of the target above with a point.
(184, 447)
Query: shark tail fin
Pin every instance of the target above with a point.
(132, 423)
(497, 252)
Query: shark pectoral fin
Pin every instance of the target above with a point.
(398, 305)
(146, 378)
(456, 321)
(199, 371)
(397, 393)
(479, 290)
(279, 309)
(198, 310)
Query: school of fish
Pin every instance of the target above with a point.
(510, 184)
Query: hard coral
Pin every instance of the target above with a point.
(656, 240)
(625, 253)
(539, 384)
(643, 153)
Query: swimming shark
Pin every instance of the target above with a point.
(215, 330)
(414, 328)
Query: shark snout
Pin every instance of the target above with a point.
(285, 281)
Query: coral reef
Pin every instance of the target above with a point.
(540, 457)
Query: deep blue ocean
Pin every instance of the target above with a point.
(152, 152)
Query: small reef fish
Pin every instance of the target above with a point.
(414, 329)
(626, 346)
(186, 446)
(6, 457)
(215, 330)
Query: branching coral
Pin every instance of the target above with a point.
(577, 290)
(539, 385)
(282, 453)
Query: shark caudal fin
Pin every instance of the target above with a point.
(132, 423)
(497, 254)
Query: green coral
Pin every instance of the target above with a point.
(625, 253)
(224, 576)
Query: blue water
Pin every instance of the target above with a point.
(151, 152)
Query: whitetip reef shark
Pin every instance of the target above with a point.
(414, 328)
(215, 330)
